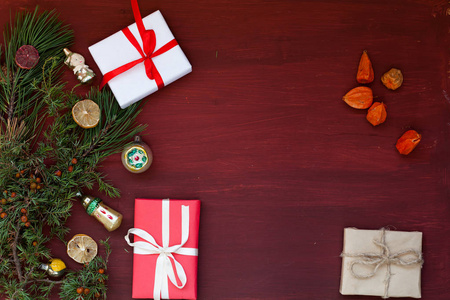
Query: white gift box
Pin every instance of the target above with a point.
(134, 84)
(381, 263)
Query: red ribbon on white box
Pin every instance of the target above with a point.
(147, 52)
(166, 262)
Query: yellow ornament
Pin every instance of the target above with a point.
(57, 265)
(55, 268)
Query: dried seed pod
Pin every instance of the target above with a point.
(408, 141)
(365, 70)
(360, 97)
(392, 79)
(376, 113)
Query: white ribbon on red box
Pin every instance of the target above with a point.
(166, 261)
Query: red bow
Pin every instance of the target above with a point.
(149, 42)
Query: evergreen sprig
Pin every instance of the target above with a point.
(46, 158)
(93, 277)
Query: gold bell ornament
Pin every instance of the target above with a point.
(76, 62)
(137, 157)
(96, 208)
(55, 267)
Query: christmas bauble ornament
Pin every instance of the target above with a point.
(137, 157)
(95, 207)
(27, 57)
(76, 61)
(55, 268)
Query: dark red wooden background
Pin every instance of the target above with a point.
(258, 132)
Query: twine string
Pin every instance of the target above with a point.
(379, 259)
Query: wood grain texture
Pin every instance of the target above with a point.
(258, 132)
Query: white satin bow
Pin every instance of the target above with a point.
(166, 261)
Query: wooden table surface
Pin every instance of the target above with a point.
(258, 132)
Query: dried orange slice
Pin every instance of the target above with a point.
(82, 248)
(27, 57)
(86, 113)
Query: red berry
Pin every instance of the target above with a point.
(4, 201)
(3, 215)
(35, 243)
(23, 210)
(80, 290)
(58, 173)
(13, 195)
(70, 169)
(33, 186)
(24, 219)
(97, 295)
(17, 175)
(86, 291)
(23, 171)
(38, 180)
(74, 161)
(27, 224)
(101, 271)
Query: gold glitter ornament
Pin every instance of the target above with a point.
(76, 62)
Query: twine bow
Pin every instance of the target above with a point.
(379, 259)
(166, 262)
(147, 52)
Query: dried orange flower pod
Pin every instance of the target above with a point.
(408, 141)
(365, 70)
(377, 113)
(392, 79)
(360, 97)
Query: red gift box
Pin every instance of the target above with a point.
(165, 248)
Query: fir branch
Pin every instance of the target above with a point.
(49, 281)
(14, 252)
(97, 140)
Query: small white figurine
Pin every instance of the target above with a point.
(76, 61)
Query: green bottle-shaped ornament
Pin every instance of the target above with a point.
(95, 207)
